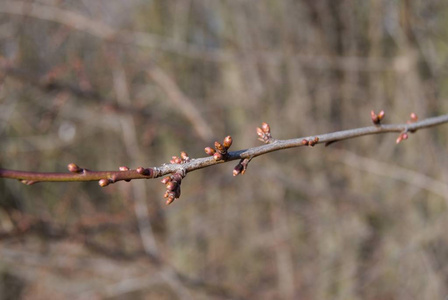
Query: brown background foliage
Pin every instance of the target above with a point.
(361, 219)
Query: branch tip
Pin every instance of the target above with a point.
(403, 136)
(264, 133)
(376, 119)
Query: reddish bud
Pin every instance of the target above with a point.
(381, 115)
(171, 186)
(184, 156)
(219, 146)
(265, 127)
(123, 168)
(142, 171)
(74, 168)
(175, 160)
(218, 156)
(103, 182)
(260, 132)
(227, 142)
(210, 151)
(311, 143)
(170, 200)
(237, 170)
(316, 139)
(375, 118)
(166, 179)
(305, 142)
(414, 117)
(401, 137)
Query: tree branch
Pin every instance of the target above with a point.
(180, 166)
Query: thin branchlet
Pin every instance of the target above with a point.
(184, 164)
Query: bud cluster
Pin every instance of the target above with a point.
(310, 142)
(221, 149)
(172, 184)
(264, 133)
(376, 119)
(180, 160)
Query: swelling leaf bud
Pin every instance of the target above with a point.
(219, 147)
(227, 141)
(171, 186)
(210, 151)
(265, 127)
(218, 156)
(103, 182)
(74, 168)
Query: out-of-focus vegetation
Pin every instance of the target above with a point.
(361, 219)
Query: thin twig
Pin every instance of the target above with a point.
(199, 163)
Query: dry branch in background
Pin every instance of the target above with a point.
(180, 166)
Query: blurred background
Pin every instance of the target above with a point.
(111, 83)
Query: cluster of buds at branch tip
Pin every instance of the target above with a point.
(180, 160)
(220, 151)
(264, 133)
(74, 168)
(310, 142)
(376, 118)
(241, 167)
(172, 184)
(401, 137)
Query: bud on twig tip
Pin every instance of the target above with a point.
(227, 141)
(265, 127)
(237, 170)
(184, 156)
